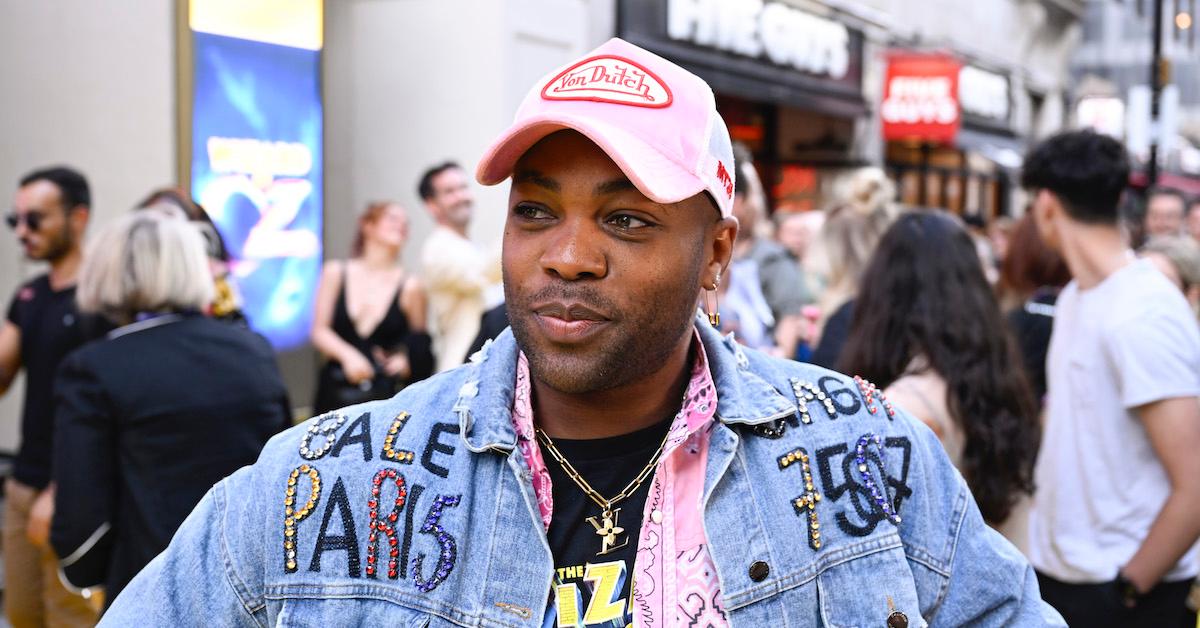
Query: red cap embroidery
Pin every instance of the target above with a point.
(725, 179)
(609, 79)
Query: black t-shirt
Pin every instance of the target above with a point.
(1031, 325)
(609, 465)
(50, 329)
(833, 338)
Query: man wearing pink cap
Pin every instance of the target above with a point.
(611, 461)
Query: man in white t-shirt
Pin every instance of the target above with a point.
(455, 270)
(1117, 507)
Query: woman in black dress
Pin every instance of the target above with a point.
(152, 415)
(369, 321)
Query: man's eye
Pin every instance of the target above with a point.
(627, 222)
(532, 212)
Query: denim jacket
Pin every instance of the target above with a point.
(823, 505)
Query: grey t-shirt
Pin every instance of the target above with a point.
(1127, 342)
(783, 282)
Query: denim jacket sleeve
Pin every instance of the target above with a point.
(197, 576)
(968, 574)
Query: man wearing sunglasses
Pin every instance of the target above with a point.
(49, 215)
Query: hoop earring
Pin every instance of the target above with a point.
(714, 313)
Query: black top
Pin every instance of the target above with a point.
(387, 335)
(148, 420)
(609, 465)
(1031, 325)
(51, 328)
(392, 333)
(833, 336)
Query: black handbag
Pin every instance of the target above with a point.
(341, 393)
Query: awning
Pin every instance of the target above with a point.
(810, 99)
(1183, 183)
(1004, 150)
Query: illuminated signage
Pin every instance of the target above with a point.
(983, 93)
(920, 99)
(256, 151)
(753, 28)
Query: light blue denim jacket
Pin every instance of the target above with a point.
(454, 536)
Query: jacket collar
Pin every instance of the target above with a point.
(484, 404)
(743, 396)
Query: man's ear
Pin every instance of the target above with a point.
(1043, 204)
(78, 217)
(722, 236)
(1047, 212)
(432, 209)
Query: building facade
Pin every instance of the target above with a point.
(1112, 66)
(409, 83)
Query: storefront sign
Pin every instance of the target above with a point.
(983, 94)
(753, 28)
(920, 99)
(759, 50)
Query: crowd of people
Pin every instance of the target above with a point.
(1056, 357)
(144, 384)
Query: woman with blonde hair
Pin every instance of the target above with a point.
(369, 321)
(840, 254)
(151, 416)
(226, 302)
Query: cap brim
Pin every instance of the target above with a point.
(654, 174)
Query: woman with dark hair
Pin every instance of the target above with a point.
(927, 329)
(369, 320)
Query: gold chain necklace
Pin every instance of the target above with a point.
(607, 528)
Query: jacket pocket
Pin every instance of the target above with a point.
(864, 591)
(326, 612)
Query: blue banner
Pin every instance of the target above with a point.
(257, 170)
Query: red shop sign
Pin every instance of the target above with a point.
(920, 99)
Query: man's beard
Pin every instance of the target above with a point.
(637, 343)
(57, 247)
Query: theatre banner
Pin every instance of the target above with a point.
(256, 150)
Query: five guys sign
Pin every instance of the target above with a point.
(920, 99)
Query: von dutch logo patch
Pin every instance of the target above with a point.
(609, 79)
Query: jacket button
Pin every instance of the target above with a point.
(897, 620)
(759, 571)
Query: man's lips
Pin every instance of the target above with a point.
(568, 322)
(569, 312)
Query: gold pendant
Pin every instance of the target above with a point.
(607, 529)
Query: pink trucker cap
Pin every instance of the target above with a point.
(656, 120)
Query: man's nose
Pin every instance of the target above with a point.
(576, 252)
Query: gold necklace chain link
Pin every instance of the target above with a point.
(604, 504)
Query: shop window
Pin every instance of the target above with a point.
(798, 189)
(746, 121)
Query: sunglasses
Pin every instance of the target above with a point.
(32, 220)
